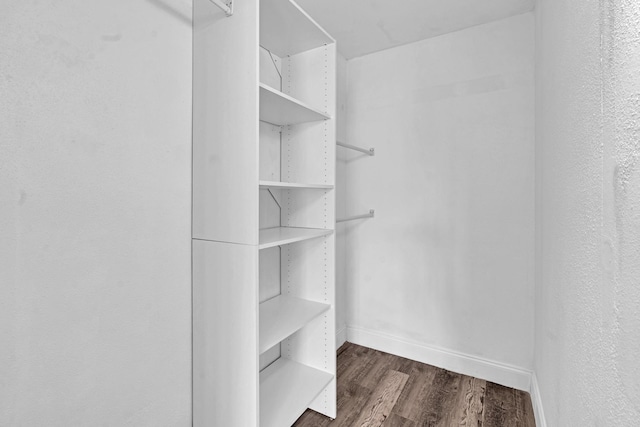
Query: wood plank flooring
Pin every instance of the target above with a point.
(377, 389)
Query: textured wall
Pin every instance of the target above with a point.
(588, 211)
(448, 259)
(95, 140)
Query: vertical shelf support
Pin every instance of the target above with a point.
(226, 8)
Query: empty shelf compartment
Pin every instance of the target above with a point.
(282, 316)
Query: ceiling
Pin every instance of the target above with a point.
(366, 26)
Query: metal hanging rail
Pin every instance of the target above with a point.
(370, 151)
(227, 8)
(351, 218)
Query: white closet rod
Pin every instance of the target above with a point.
(370, 151)
(227, 8)
(351, 218)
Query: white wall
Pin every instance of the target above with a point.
(588, 223)
(448, 260)
(95, 146)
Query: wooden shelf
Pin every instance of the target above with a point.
(287, 389)
(284, 315)
(285, 29)
(278, 236)
(280, 109)
(292, 185)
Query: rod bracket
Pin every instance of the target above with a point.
(225, 6)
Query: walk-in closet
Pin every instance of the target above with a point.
(319, 213)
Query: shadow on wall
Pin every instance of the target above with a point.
(180, 9)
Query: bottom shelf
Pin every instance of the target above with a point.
(287, 388)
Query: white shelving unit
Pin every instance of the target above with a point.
(264, 248)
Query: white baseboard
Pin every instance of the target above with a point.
(500, 373)
(341, 336)
(536, 400)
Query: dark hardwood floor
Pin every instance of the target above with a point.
(377, 389)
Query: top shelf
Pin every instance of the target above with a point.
(286, 29)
